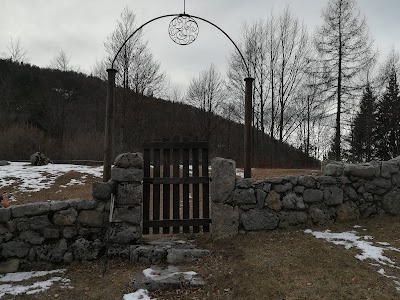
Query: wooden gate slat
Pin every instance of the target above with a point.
(166, 188)
(156, 189)
(206, 204)
(185, 161)
(195, 188)
(146, 189)
(175, 188)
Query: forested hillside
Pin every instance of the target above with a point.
(62, 114)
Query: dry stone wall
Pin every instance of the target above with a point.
(41, 234)
(344, 192)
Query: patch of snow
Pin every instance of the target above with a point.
(357, 226)
(40, 286)
(140, 294)
(35, 178)
(170, 272)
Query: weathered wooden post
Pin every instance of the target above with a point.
(247, 127)
(108, 136)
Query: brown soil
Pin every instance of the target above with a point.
(280, 264)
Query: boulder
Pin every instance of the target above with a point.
(365, 170)
(391, 202)
(15, 248)
(9, 266)
(318, 216)
(32, 237)
(225, 221)
(129, 160)
(30, 209)
(292, 218)
(39, 159)
(293, 202)
(333, 195)
(39, 222)
(307, 181)
(313, 195)
(388, 168)
(65, 217)
(255, 220)
(244, 196)
(283, 188)
(223, 176)
(347, 212)
(378, 185)
(121, 233)
(91, 218)
(86, 250)
(334, 168)
(126, 175)
(273, 201)
(4, 163)
(261, 195)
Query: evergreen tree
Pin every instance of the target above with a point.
(362, 135)
(388, 121)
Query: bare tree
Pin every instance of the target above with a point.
(15, 51)
(61, 62)
(345, 49)
(207, 93)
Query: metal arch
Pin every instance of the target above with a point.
(176, 15)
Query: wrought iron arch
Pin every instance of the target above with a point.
(110, 101)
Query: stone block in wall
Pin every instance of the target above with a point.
(121, 233)
(5, 234)
(388, 168)
(129, 194)
(276, 180)
(292, 179)
(22, 224)
(101, 190)
(378, 185)
(91, 218)
(65, 217)
(11, 225)
(126, 175)
(273, 201)
(32, 237)
(327, 180)
(367, 210)
(267, 187)
(334, 168)
(70, 232)
(15, 248)
(225, 221)
(83, 204)
(292, 218)
(39, 222)
(223, 176)
(51, 233)
(293, 202)
(52, 252)
(86, 250)
(130, 214)
(299, 189)
(307, 181)
(283, 188)
(256, 219)
(351, 193)
(5, 214)
(313, 195)
(318, 216)
(333, 195)
(9, 266)
(366, 170)
(347, 212)
(391, 202)
(245, 183)
(261, 195)
(59, 205)
(244, 196)
(30, 209)
(129, 160)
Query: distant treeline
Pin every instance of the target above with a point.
(62, 114)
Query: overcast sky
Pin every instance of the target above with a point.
(79, 28)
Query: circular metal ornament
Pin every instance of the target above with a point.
(183, 30)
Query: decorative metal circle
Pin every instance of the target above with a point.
(183, 30)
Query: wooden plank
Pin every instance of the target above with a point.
(146, 189)
(156, 189)
(175, 188)
(175, 145)
(176, 223)
(166, 188)
(206, 186)
(186, 202)
(195, 187)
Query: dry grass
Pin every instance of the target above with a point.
(270, 173)
(280, 264)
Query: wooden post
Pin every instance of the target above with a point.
(108, 136)
(247, 127)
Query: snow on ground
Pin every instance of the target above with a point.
(35, 178)
(369, 251)
(7, 286)
(138, 295)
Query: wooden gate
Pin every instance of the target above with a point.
(179, 202)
